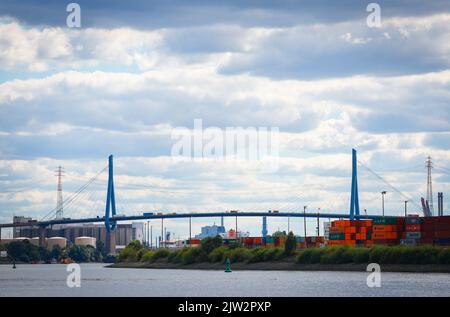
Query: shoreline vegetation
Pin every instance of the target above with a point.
(211, 255)
(23, 252)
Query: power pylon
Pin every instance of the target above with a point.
(59, 198)
(429, 184)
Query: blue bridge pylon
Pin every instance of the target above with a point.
(110, 199)
(354, 197)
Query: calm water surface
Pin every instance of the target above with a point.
(96, 280)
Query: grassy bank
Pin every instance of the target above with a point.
(284, 266)
(417, 255)
(211, 254)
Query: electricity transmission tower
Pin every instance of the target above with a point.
(429, 184)
(59, 199)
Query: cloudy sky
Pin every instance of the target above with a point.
(135, 70)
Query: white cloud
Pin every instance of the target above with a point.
(76, 118)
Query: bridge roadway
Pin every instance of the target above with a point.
(187, 215)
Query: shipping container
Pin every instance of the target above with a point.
(408, 241)
(385, 228)
(384, 235)
(384, 221)
(413, 220)
(337, 236)
(413, 235)
(442, 241)
(412, 228)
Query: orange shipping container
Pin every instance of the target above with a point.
(350, 230)
(384, 228)
(384, 235)
(412, 228)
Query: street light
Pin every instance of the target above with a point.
(406, 208)
(318, 222)
(304, 220)
(382, 200)
(289, 226)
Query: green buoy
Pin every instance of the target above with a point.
(227, 266)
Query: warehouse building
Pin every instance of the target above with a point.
(122, 236)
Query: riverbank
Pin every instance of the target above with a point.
(211, 255)
(285, 266)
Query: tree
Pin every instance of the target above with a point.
(209, 244)
(56, 253)
(290, 244)
(279, 234)
(17, 250)
(23, 251)
(130, 253)
(44, 254)
(135, 244)
(100, 251)
(81, 253)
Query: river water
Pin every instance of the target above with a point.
(96, 280)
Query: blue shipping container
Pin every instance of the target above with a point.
(413, 220)
(413, 235)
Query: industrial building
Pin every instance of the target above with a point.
(211, 231)
(122, 236)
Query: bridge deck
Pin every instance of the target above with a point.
(187, 215)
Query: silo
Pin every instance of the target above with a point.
(54, 241)
(22, 238)
(85, 241)
(35, 241)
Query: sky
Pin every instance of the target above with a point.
(136, 70)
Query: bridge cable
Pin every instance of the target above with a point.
(75, 195)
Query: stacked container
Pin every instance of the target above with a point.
(351, 232)
(193, 242)
(300, 242)
(251, 242)
(229, 241)
(279, 241)
(436, 230)
(412, 234)
(387, 231)
(257, 242)
(314, 242)
(270, 242)
(326, 230)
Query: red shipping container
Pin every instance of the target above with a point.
(412, 228)
(257, 240)
(401, 221)
(436, 227)
(442, 234)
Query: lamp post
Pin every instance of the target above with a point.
(148, 233)
(382, 200)
(304, 220)
(190, 231)
(406, 208)
(144, 233)
(289, 225)
(318, 222)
